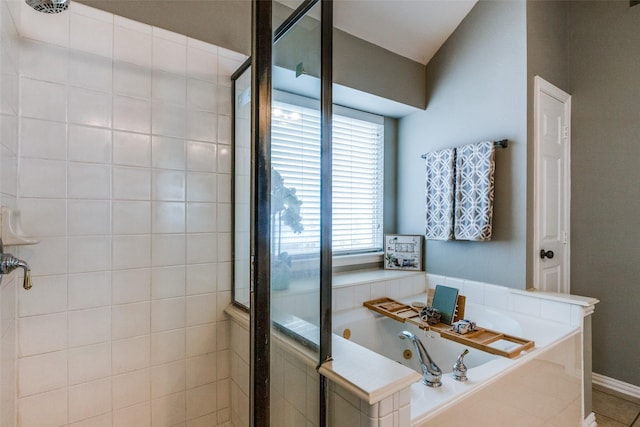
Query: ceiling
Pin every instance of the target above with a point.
(414, 29)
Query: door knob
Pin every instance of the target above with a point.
(546, 254)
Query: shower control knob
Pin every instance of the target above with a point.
(546, 254)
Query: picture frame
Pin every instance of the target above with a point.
(403, 252)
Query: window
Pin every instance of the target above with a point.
(358, 174)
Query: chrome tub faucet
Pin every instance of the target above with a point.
(431, 373)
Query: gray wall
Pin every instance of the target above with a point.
(476, 90)
(547, 42)
(547, 57)
(357, 64)
(364, 66)
(604, 73)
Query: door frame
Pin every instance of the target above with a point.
(542, 86)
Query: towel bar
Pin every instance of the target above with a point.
(503, 143)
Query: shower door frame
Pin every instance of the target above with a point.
(260, 270)
(263, 39)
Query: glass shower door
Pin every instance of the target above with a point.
(295, 218)
(282, 234)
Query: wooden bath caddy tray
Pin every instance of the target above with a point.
(480, 339)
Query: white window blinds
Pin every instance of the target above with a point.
(358, 174)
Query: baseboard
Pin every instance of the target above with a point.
(616, 385)
(590, 421)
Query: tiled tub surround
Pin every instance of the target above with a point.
(546, 384)
(294, 396)
(124, 177)
(349, 291)
(378, 395)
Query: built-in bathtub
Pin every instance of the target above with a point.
(543, 386)
(548, 385)
(380, 334)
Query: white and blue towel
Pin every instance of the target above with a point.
(440, 167)
(474, 191)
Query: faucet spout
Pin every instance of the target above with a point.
(431, 373)
(8, 263)
(26, 283)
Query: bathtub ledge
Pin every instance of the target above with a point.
(558, 297)
(240, 316)
(366, 374)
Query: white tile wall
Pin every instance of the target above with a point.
(9, 130)
(124, 177)
(44, 372)
(400, 285)
(44, 409)
(89, 363)
(393, 411)
(239, 374)
(527, 303)
(131, 388)
(43, 140)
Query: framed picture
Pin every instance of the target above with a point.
(403, 252)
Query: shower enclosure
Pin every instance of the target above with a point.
(282, 220)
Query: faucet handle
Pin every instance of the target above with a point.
(459, 368)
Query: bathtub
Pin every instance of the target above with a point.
(380, 334)
(540, 387)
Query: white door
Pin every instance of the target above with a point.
(552, 116)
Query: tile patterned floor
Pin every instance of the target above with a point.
(615, 410)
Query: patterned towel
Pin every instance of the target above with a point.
(475, 166)
(439, 194)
